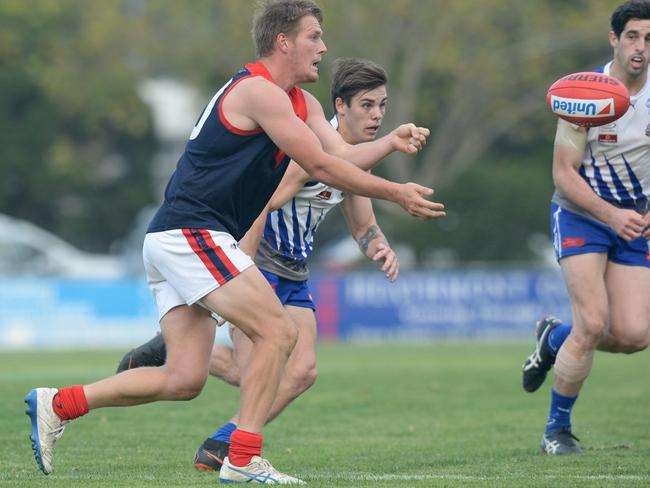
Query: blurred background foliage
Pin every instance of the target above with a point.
(78, 143)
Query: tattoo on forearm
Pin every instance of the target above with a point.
(372, 233)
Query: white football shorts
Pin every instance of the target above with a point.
(184, 265)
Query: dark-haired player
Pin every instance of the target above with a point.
(599, 221)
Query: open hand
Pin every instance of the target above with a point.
(414, 202)
(390, 266)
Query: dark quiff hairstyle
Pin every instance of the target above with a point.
(352, 75)
(280, 16)
(634, 9)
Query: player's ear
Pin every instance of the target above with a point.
(340, 105)
(282, 42)
(613, 40)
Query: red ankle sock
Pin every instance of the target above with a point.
(70, 402)
(243, 446)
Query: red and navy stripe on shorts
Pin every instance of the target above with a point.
(213, 256)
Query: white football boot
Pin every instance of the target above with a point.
(47, 427)
(258, 470)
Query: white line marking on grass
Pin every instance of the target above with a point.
(401, 477)
(461, 477)
(604, 477)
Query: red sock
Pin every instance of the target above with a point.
(243, 446)
(70, 402)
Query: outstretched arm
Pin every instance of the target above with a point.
(362, 223)
(406, 138)
(265, 104)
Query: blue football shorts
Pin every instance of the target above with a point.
(574, 234)
(290, 292)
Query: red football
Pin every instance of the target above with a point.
(588, 99)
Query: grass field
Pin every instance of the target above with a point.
(448, 415)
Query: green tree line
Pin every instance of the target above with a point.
(78, 143)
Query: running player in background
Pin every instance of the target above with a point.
(599, 222)
(359, 98)
(234, 160)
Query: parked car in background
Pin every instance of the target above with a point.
(26, 249)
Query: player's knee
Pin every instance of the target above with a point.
(632, 348)
(633, 341)
(309, 378)
(187, 386)
(189, 391)
(594, 327)
(284, 335)
(301, 378)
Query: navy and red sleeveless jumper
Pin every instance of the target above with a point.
(225, 176)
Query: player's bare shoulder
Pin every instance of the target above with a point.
(246, 99)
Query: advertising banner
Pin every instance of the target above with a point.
(359, 306)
